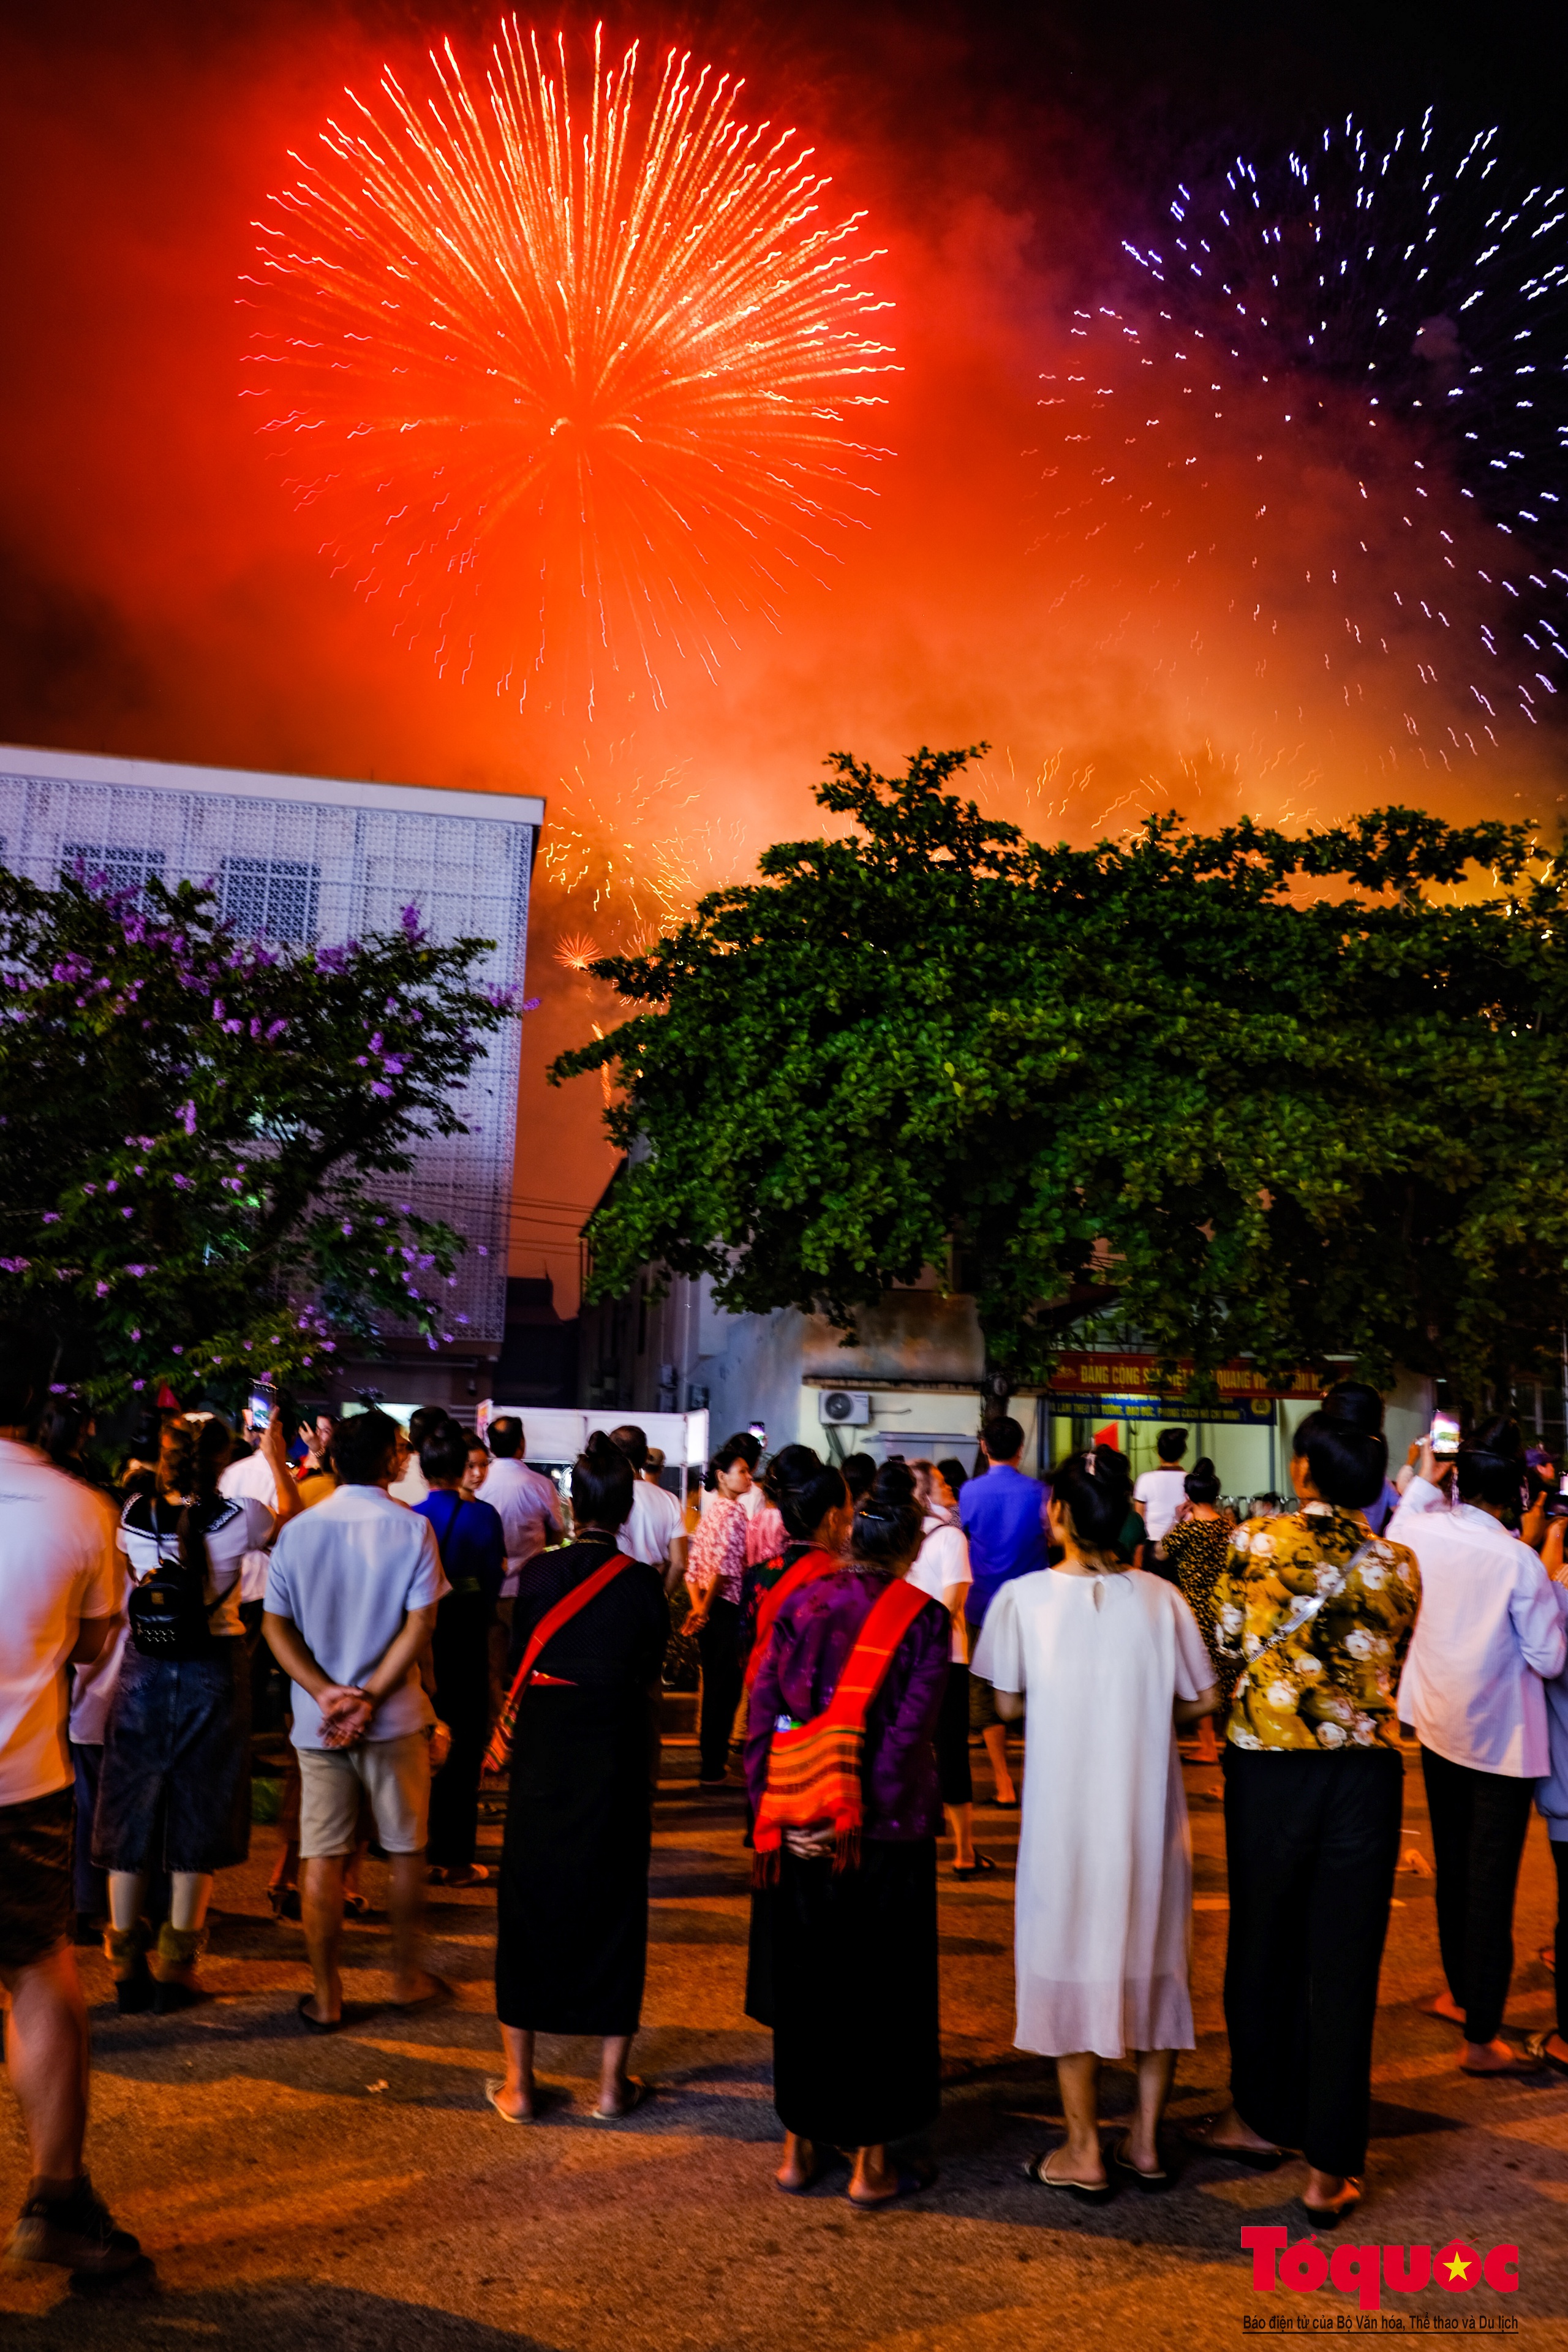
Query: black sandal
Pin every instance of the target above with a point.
(315, 2024)
(976, 1869)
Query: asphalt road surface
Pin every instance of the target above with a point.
(358, 2192)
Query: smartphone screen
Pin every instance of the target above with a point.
(261, 1409)
(1444, 1437)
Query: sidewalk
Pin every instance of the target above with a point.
(357, 2192)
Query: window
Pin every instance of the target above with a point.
(121, 866)
(271, 897)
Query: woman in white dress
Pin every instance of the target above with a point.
(1109, 1660)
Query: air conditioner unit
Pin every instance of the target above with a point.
(844, 1407)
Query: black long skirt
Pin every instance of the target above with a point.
(857, 2043)
(572, 1938)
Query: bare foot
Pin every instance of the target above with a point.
(1445, 2007)
(1229, 2130)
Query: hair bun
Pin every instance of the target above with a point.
(600, 1444)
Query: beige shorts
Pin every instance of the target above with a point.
(394, 1775)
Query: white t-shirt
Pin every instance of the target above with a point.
(242, 1526)
(943, 1561)
(657, 1518)
(1162, 1494)
(412, 1488)
(57, 1567)
(252, 1477)
(346, 1574)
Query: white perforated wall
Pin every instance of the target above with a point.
(298, 858)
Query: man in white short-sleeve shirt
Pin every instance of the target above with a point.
(1160, 1493)
(529, 1505)
(58, 1606)
(352, 1594)
(655, 1530)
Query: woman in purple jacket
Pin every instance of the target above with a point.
(854, 1973)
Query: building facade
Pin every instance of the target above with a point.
(914, 1383)
(297, 859)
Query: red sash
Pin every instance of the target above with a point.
(500, 1748)
(813, 1771)
(810, 1564)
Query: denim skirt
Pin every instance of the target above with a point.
(174, 1791)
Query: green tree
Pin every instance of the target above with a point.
(1285, 1096)
(201, 1134)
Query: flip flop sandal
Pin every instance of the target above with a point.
(1006, 1804)
(356, 1907)
(801, 2188)
(1088, 2193)
(1152, 2181)
(1509, 2073)
(1255, 2159)
(474, 1875)
(641, 2094)
(442, 1994)
(283, 1902)
(315, 2024)
(494, 2084)
(912, 2179)
(1536, 2051)
(1328, 2217)
(976, 1869)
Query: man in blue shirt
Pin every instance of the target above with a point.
(1002, 1515)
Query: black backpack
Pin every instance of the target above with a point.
(169, 1609)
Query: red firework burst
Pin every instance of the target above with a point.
(596, 370)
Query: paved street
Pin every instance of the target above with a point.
(359, 2192)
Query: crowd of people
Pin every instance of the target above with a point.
(866, 1632)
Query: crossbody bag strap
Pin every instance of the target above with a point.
(443, 1534)
(810, 1564)
(564, 1609)
(1319, 1601)
(864, 1670)
(500, 1748)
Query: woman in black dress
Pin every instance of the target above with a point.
(571, 1944)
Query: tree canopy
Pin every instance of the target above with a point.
(1289, 1096)
(202, 1134)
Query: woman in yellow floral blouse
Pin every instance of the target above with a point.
(1315, 1613)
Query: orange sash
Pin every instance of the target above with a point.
(813, 1771)
(810, 1564)
(500, 1748)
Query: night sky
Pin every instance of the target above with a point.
(1127, 629)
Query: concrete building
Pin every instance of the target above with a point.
(300, 858)
(914, 1383)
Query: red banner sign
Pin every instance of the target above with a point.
(1131, 1375)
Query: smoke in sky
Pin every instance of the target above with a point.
(160, 597)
